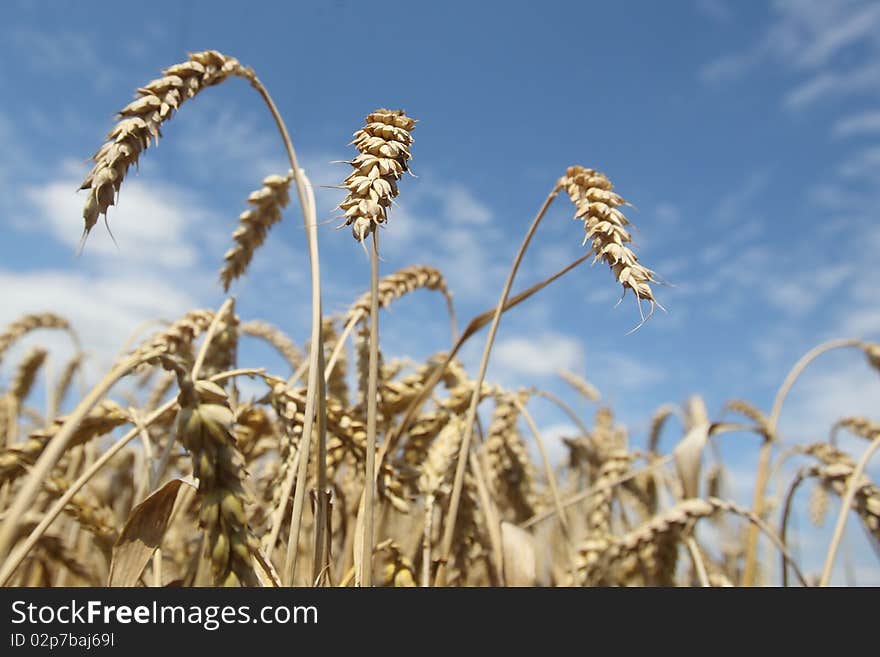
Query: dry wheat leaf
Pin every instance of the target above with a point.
(520, 562)
(142, 534)
(687, 455)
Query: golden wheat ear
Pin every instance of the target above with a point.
(596, 204)
(139, 124)
(383, 143)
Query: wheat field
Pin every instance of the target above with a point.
(350, 469)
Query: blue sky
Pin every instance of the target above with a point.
(746, 134)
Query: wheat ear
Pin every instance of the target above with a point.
(24, 325)
(383, 144)
(596, 204)
(204, 428)
(140, 124)
(254, 224)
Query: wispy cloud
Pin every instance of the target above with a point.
(151, 224)
(717, 10)
(538, 355)
(834, 43)
(857, 124)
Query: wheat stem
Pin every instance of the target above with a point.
(764, 459)
(372, 411)
(55, 449)
(461, 466)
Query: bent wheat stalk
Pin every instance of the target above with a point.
(761, 481)
(851, 488)
(462, 459)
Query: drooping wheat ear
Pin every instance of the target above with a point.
(140, 122)
(649, 546)
(658, 421)
(826, 453)
(384, 152)
(29, 323)
(579, 383)
(836, 477)
(102, 419)
(178, 338)
(396, 395)
(254, 224)
(596, 205)
(872, 352)
(398, 284)
(26, 373)
(511, 472)
(204, 427)
(94, 517)
(858, 426)
(752, 412)
(275, 337)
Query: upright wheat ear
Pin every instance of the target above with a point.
(204, 428)
(384, 151)
(140, 121)
(596, 205)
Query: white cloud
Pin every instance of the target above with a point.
(831, 41)
(624, 372)
(857, 124)
(103, 310)
(833, 83)
(153, 223)
(826, 393)
(538, 355)
(863, 165)
(799, 294)
(463, 207)
(834, 36)
(717, 10)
